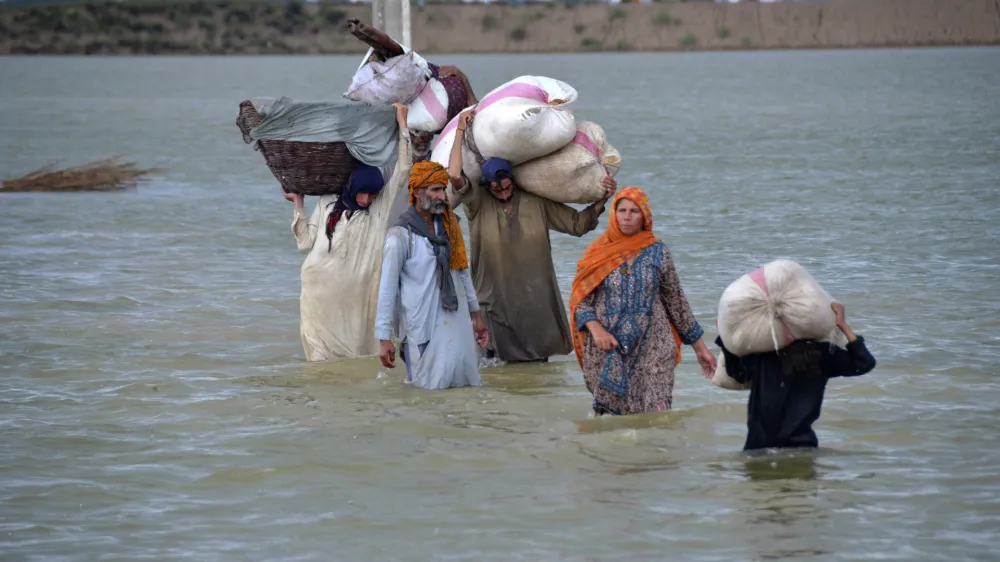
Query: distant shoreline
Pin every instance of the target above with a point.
(497, 53)
(203, 27)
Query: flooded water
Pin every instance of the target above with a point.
(155, 404)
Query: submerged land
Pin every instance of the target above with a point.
(150, 27)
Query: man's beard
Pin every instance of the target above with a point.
(433, 206)
(421, 144)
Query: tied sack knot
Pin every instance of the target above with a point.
(776, 318)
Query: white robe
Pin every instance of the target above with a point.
(441, 350)
(339, 295)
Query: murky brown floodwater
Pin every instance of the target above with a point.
(154, 404)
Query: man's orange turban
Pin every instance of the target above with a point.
(425, 174)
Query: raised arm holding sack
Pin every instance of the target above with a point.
(343, 241)
(787, 386)
(512, 255)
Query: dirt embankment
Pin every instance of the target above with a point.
(227, 27)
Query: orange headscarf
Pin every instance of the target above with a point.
(427, 173)
(607, 252)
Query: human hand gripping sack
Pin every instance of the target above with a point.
(840, 313)
(841, 320)
(401, 113)
(465, 119)
(610, 186)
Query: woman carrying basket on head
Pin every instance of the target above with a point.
(343, 240)
(629, 314)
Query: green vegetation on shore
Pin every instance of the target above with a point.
(295, 27)
(173, 26)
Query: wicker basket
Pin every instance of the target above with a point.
(309, 168)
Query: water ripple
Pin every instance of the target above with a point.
(155, 404)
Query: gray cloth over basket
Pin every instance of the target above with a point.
(369, 131)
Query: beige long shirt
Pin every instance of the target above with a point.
(339, 298)
(511, 261)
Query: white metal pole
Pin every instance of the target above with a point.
(405, 20)
(378, 14)
(392, 17)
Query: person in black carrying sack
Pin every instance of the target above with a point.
(787, 386)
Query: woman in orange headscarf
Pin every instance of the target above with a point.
(630, 314)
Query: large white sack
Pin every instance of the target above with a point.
(429, 112)
(767, 309)
(573, 173)
(442, 154)
(526, 118)
(396, 80)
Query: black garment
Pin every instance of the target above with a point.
(492, 354)
(781, 410)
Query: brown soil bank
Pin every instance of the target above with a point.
(223, 27)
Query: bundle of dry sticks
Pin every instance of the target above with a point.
(110, 174)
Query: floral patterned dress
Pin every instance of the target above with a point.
(637, 303)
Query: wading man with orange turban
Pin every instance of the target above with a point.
(426, 294)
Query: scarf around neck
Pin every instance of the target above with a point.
(412, 220)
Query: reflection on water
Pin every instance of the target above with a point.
(154, 403)
(659, 420)
(797, 465)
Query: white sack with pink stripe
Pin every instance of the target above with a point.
(573, 173)
(429, 112)
(526, 118)
(767, 309)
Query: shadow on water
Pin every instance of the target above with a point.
(774, 465)
(763, 467)
(672, 420)
(637, 444)
(532, 379)
(784, 501)
(299, 373)
(524, 379)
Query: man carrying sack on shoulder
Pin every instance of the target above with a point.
(512, 255)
